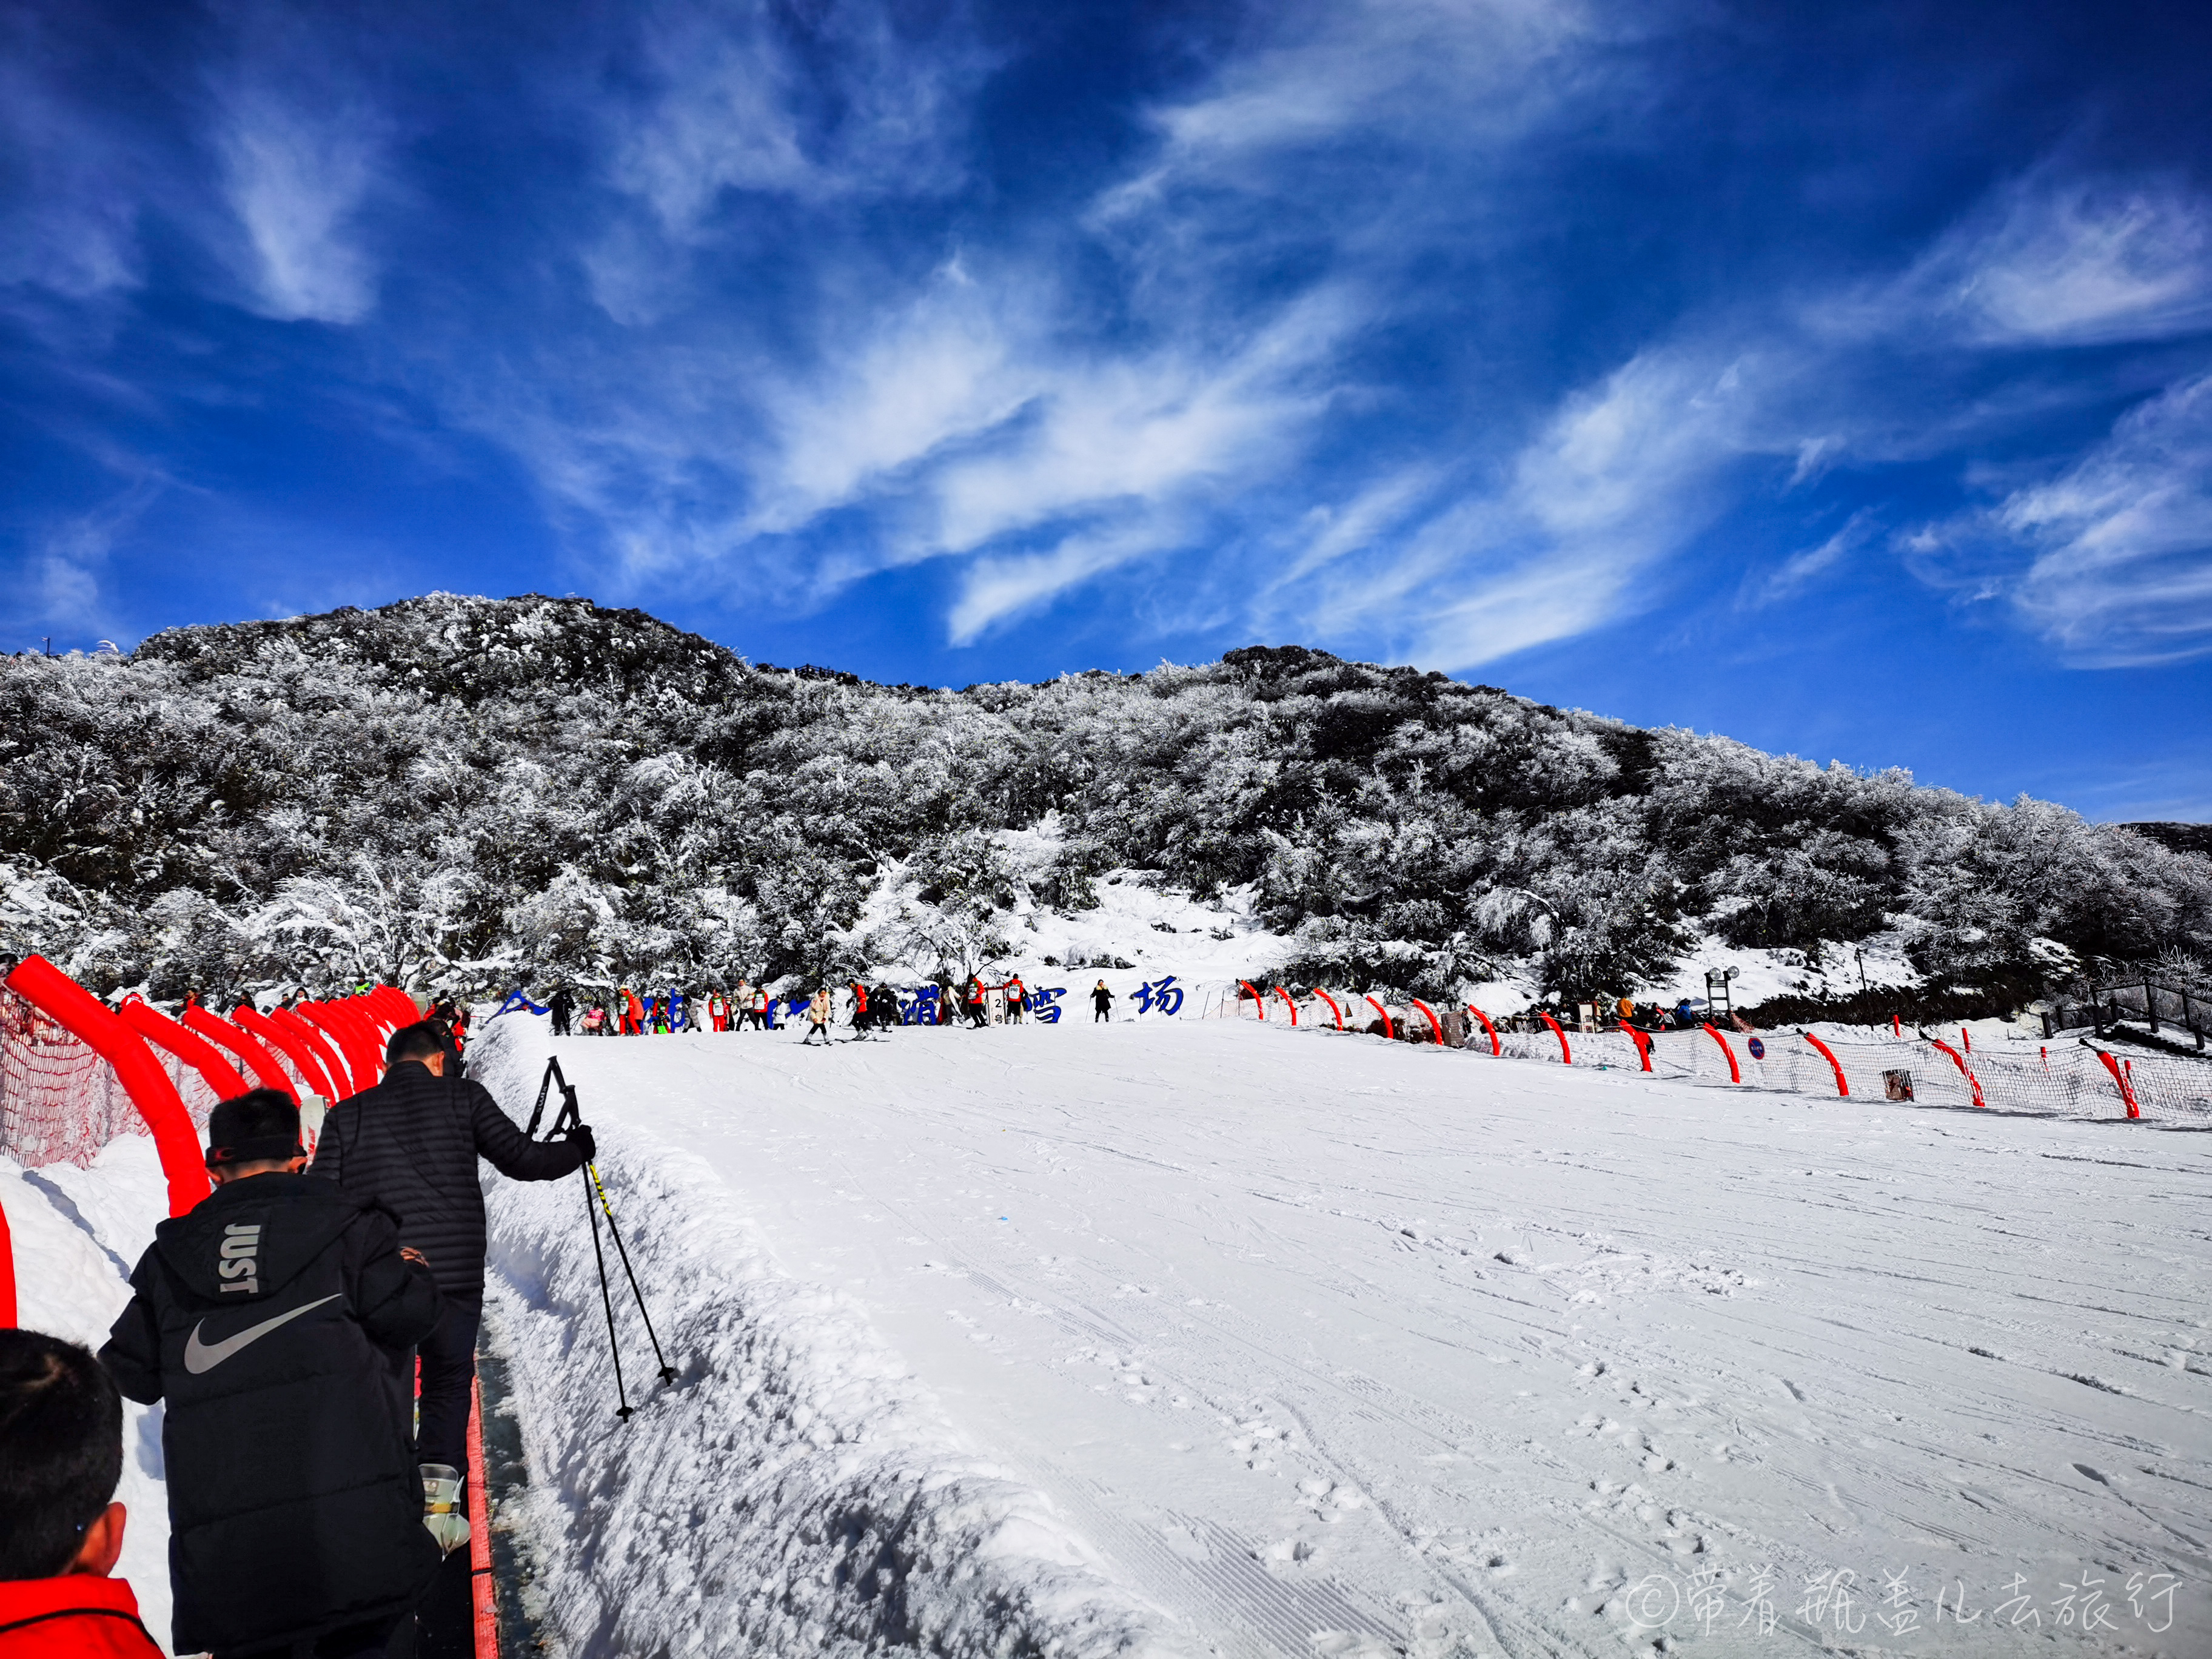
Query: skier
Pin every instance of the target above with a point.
(62, 1531)
(818, 1016)
(718, 1011)
(760, 1008)
(972, 999)
(1018, 999)
(563, 1009)
(595, 1021)
(1102, 1004)
(412, 1143)
(296, 1506)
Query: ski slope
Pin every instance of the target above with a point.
(1206, 1337)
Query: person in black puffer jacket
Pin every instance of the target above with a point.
(412, 1143)
(275, 1319)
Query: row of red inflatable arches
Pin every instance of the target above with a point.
(1566, 1053)
(336, 1048)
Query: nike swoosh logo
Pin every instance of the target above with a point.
(201, 1357)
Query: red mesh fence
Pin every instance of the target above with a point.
(59, 1102)
(2059, 1079)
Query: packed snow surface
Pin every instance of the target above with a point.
(1210, 1337)
(76, 1235)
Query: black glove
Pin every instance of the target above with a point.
(580, 1135)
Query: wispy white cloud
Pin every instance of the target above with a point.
(1799, 570)
(823, 102)
(61, 587)
(2050, 260)
(2122, 573)
(296, 175)
(999, 586)
(1619, 477)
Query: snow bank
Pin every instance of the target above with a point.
(77, 1233)
(795, 1487)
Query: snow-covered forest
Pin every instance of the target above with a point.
(463, 792)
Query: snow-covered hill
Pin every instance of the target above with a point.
(465, 792)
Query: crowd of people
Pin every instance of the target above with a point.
(865, 1008)
(310, 1327)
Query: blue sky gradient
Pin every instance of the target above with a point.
(1839, 378)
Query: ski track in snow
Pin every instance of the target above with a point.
(1208, 1337)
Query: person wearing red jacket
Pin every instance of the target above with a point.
(61, 1454)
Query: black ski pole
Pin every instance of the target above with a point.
(606, 1302)
(544, 1084)
(667, 1370)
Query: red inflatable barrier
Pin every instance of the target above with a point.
(1735, 1072)
(395, 1007)
(38, 982)
(1843, 1087)
(1288, 1004)
(1333, 1008)
(267, 1070)
(310, 1069)
(1435, 1026)
(1643, 1043)
(359, 1050)
(2127, 1088)
(1566, 1055)
(1960, 1060)
(318, 1044)
(1388, 1029)
(1258, 1001)
(7, 1276)
(1496, 1046)
(194, 1051)
(370, 1029)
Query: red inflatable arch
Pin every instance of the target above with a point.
(287, 1043)
(1566, 1055)
(317, 1043)
(1843, 1088)
(38, 982)
(1288, 1004)
(1436, 1028)
(193, 1049)
(1735, 1072)
(1496, 1046)
(1333, 1008)
(2127, 1088)
(1973, 1082)
(267, 1069)
(1388, 1029)
(7, 1277)
(360, 1052)
(1258, 1001)
(1643, 1042)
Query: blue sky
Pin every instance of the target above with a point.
(1837, 378)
